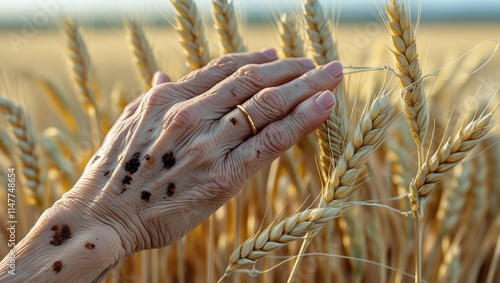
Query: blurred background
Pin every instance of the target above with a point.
(12, 12)
(457, 45)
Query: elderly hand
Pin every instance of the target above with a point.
(184, 150)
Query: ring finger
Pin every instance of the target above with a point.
(272, 104)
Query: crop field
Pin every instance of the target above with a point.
(401, 184)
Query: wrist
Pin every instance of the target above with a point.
(63, 245)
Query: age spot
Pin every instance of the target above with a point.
(57, 266)
(234, 121)
(95, 158)
(60, 235)
(133, 164)
(127, 180)
(89, 246)
(123, 190)
(170, 189)
(168, 160)
(145, 195)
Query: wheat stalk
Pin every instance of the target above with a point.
(143, 55)
(26, 146)
(227, 27)
(291, 42)
(189, 28)
(409, 72)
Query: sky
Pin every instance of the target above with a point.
(12, 10)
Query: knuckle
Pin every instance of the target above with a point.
(185, 117)
(277, 140)
(313, 83)
(224, 187)
(301, 121)
(201, 149)
(160, 95)
(271, 103)
(252, 75)
(227, 61)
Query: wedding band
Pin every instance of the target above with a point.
(249, 119)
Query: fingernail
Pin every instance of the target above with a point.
(269, 53)
(326, 100)
(333, 68)
(307, 63)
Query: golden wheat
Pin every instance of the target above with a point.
(291, 42)
(227, 27)
(332, 133)
(409, 71)
(190, 29)
(26, 146)
(143, 55)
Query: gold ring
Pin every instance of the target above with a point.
(249, 119)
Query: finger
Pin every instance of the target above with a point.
(159, 77)
(204, 79)
(250, 79)
(258, 151)
(272, 104)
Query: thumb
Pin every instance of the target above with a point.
(159, 77)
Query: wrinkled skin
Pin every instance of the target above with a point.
(180, 152)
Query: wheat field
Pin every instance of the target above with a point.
(401, 184)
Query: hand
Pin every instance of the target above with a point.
(185, 149)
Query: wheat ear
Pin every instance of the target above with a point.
(227, 27)
(291, 42)
(409, 72)
(448, 155)
(453, 199)
(366, 137)
(82, 75)
(143, 54)
(190, 30)
(275, 236)
(6, 144)
(27, 148)
(331, 134)
(319, 33)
